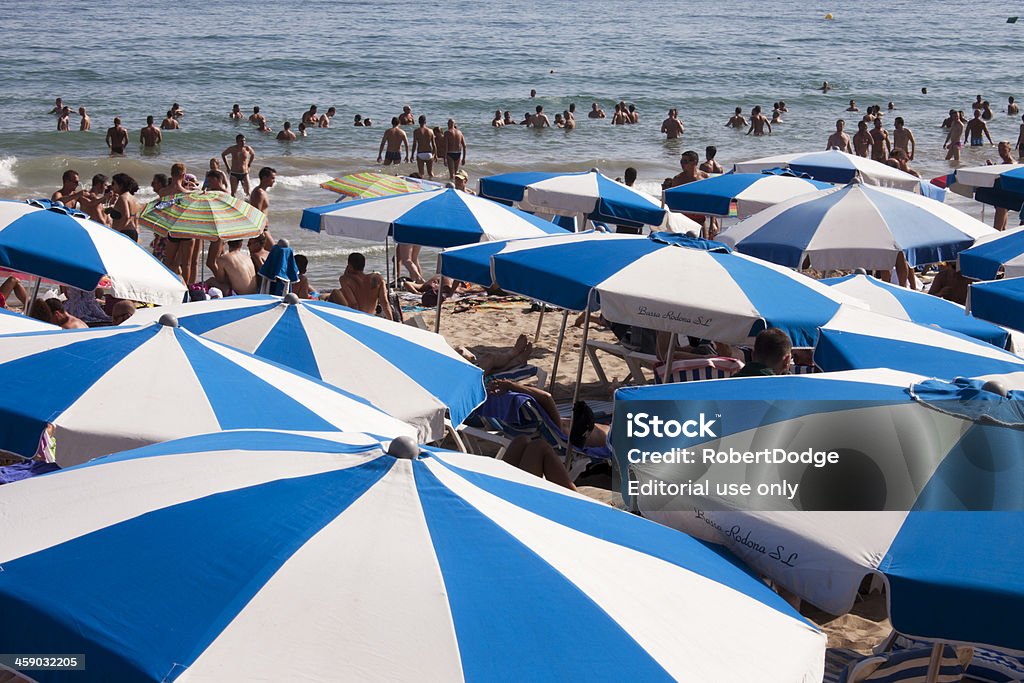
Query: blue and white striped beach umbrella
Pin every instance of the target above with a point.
(855, 226)
(407, 372)
(918, 307)
(64, 246)
(15, 323)
(112, 388)
(438, 218)
(1000, 302)
(752, 192)
(1000, 185)
(662, 286)
(1008, 177)
(273, 556)
(998, 255)
(856, 339)
(946, 516)
(588, 193)
(834, 166)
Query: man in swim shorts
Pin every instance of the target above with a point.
(395, 139)
(117, 138)
(455, 144)
(150, 136)
(242, 156)
(975, 129)
(423, 148)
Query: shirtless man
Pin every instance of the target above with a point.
(286, 134)
(862, 140)
(978, 103)
(758, 122)
(688, 161)
(92, 202)
(737, 120)
(86, 122)
(64, 120)
(620, 117)
(423, 148)
(259, 250)
(540, 119)
(361, 291)
(634, 115)
(117, 138)
(311, 118)
(58, 106)
(406, 118)
(233, 271)
(853, 106)
(259, 197)
(242, 156)
(455, 146)
(839, 140)
(325, 119)
(62, 318)
(974, 130)
(711, 165)
(903, 138)
(881, 146)
(236, 113)
(595, 112)
(150, 136)
(256, 116)
(68, 194)
(1011, 107)
(170, 122)
(953, 137)
(395, 140)
(672, 127)
(898, 159)
(947, 122)
(1005, 157)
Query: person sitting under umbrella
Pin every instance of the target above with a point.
(772, 354)
(536, 456)
(58, 316)
(361, 291)
(233, 272)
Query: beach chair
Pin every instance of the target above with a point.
(521, 373)
(697, 369)
(943, 663)
(635, 361)
(989, 665)
(506, 416)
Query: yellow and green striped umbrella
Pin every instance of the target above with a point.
(371, 184)
(203, 215)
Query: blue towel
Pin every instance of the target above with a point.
(25, 470)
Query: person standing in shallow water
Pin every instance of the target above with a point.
(455, 146)
(423, 148)
(117, 138)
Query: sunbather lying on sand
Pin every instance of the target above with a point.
(496, 361)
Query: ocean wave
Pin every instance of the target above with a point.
(303, 181)
(7, 176)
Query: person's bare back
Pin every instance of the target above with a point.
(363, 291)
(236, 268)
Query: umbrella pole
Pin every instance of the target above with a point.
(558, 350)
(668, 358)
(35, 292)
(440, 288)
(569, 451)
(540, 319)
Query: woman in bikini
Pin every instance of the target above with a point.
(122, 212)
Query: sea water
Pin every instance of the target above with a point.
(464, 60)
